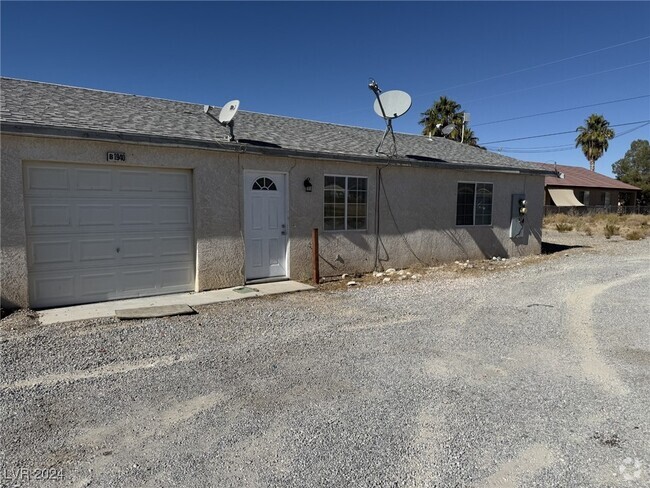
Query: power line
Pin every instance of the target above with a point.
(537, 66)
(559, 133)
(631, 130)
(560, 110)
(565, 147)
(534, 151)
(421, 95)
(559, 81)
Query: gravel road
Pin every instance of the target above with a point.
(535, 375)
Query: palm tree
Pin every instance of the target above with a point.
(442, 113)
(593, 138)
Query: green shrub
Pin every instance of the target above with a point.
(563, 227)
(611, 230)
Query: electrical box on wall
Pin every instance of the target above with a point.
(518, 215)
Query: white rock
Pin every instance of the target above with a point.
(402, 278)
(352, 283)
(401, 272)
(416, 276)
(377, 274)
(345, 275)
(390, 271)
(386, 280)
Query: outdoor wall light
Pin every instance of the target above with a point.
(308, 185)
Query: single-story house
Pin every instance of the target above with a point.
(572, 186)
(108, 196)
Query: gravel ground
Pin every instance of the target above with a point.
(534, 374)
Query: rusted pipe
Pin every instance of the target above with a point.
(315, 271)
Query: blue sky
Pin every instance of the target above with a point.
(313, 60)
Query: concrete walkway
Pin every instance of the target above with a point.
(107, 309)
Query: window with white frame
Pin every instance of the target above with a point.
(345, 203)
(474, 204)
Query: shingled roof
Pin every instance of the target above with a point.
(30, 107)
(577, 177)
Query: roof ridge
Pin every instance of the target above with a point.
(97, 90)
(149, 97)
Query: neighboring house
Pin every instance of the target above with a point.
(108, 196)
(572, 186)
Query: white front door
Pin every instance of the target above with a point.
(265, 225)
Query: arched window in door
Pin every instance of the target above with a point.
(264, 184)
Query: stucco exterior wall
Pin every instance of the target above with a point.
(417, 220)
(417, 211)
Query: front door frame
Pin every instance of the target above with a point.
(285, 176)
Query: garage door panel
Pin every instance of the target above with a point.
(50, 251)
(172, 276)
(96, 215)
(137, 247)
(98, 285)
(94, 180)
(174, 184)
(139, 279)
(38, 178)
(175, 214)
(136, 214)
(52, 215)
(132, 181)
(54, 289)
(180, 246)
(98, 250)
(98, 233)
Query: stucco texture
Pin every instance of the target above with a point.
(417, 208)
(417, 220)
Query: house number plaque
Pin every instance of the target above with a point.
(115, 156)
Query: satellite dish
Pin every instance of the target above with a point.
(228, 112)
(395, 103)
(448, 129)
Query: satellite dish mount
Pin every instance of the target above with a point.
(389, 105)
(226, 117)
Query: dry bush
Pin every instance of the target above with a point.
(591, 224)
(637, 220)
(634, 235)
(563, 227)
(611, 230)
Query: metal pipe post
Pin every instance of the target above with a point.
(314, 256)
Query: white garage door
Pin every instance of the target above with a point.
(102, 232)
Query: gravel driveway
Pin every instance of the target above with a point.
(536, 375)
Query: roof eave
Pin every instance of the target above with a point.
(98, 135)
